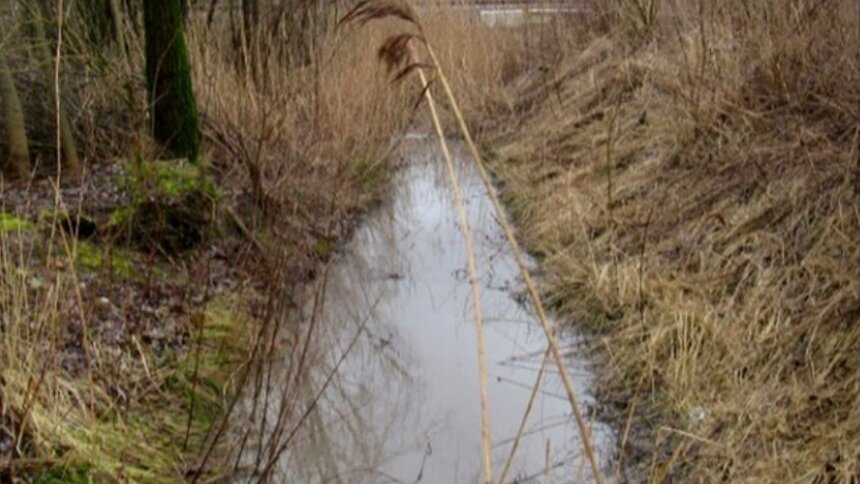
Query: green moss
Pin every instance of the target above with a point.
(176, 123)
(120, 218)
(121, 263)
(11, 223)
(323, 248)
(88, 256)
(175, 178)
(173, 205)
(93, 257)
(166, 178)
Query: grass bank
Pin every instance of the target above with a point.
(125, 338)
(686, 172)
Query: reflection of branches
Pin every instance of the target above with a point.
(569, 458)
(524, 386)
(522, 426)
(274, 458)
(428, 451)
(352, 419)
(369, 470)
(558, 422)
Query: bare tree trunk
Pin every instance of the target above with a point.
(67, 139)
(13, 114)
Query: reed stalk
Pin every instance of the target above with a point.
(504, 221)
(486, 441)
(525, 417)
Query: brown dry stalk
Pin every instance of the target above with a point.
(525, 418)
(547, 476)
(486, 442)
(74, 165)
(585, 435)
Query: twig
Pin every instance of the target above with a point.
(310, 408)
(525, 418)
(245, 230)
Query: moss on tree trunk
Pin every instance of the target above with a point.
(175, 123)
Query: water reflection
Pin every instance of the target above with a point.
(403, 406)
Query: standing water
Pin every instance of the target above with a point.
(404, 406)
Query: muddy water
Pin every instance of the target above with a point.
(403, 406)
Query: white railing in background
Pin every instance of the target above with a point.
(516, 13)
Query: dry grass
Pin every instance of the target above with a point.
(688, 181)
(479, 61)
(81, 399)
(298, 149)
(332, 121)
(298, 145)
(686, 173)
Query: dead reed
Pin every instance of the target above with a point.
(687, 178)
(397, 52)
(474, 282)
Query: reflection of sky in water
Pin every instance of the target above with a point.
(405, 404)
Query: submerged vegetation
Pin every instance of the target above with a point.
(176, 175)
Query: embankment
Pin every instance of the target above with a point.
(687, 177)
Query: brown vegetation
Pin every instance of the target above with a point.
(685, 169)
(123, 336)
(686, 174)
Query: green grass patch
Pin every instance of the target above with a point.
(166, 178)
(118, 261)
(11, 223)
(158, 439)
